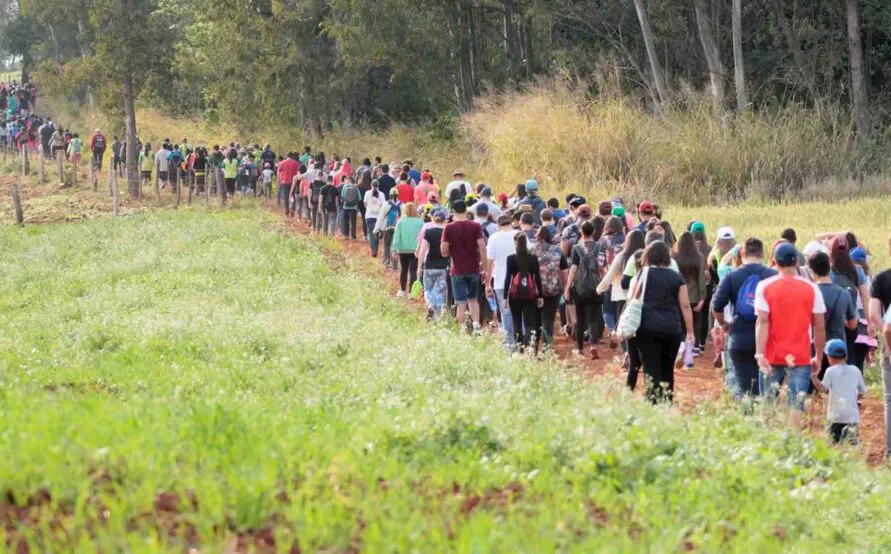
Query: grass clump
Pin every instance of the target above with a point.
(172, 380)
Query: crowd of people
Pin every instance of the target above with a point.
(611, 277)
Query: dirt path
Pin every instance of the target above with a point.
(703, 383)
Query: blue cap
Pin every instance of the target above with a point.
(858, 255)
(786, 255)
(531, 185)
(836, 348)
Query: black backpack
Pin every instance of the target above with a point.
(588, 276)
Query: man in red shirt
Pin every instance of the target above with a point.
(789, 307)
(287, 169)
(463, 241)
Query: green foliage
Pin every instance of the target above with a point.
(171, 380)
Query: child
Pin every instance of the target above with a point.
(846, 387)
(267, 179)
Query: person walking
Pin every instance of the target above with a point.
(405, 244)
(789, 309)
(841, 314)
(434, 266)
(845, 385)
(581, 285)
(501, 245)
(350, 197)
(522, 292)
(385, 227)
(463, 242)
(373, 201)
(98, 143)
(665, 318)
(691, 266)
(553, 269)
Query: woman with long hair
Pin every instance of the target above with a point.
(522, 291)
(588, 304)
(666, 313)
(405, 243)
(612, 282)
(434, 266)
(692, 269)
(553, 268)
(852, 278)
(706, 321)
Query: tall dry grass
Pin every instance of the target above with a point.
(608, 143)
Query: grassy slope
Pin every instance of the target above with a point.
(202, 352)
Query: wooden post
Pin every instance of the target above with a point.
(221, 186)
(17, 204)
(94, 176)
(24, 160)
(59, 156)
(5, 148)
(115, 200)
(74, 174)
(191, 178)
(157, 183)
(42, 168)
(179, 185)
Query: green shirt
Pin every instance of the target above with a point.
(405, 238)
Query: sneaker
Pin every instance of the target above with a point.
(400, 294)
(477, 329)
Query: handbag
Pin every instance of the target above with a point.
(629, 321)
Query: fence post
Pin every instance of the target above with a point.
(94, 176)
(114, 193)
(158, 184)
(42, 168)
(73, 173)
(59, 156)
(221, 186)
(25, 164)
(17, 204)
(179, 185)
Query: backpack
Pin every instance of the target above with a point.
(329, 203)
(588, 272)
(254, 172)
(392, 215)
(350, 196)
(745, 299)
(99, 143)
(549, 266)
(522, 286)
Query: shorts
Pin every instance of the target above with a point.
(465, 287)
(799, 383)
(146, 174)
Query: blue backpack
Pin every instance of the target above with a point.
(393, 214)
(745, 299)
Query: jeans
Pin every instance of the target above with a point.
(609, 315)
(435, 288)
(408, 270)
(546, 317)
(285, 193)
(349, 223)
(525, 316)
(465, 287)
(745, 368)
(589, 313)
(365, 221)
(373, 240)
(97, 159)
(341, 221)
(507, 320)
(799, 378)
(658, 353)
(389, 259)
(330, 223)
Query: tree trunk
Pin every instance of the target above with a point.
(801, 63)
(510, 38)
(133, 183)
(652, 55)
(57, 58)
(739, 72)
(527, 46)
(712, 54)
(859, 100)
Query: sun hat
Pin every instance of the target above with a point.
(726, 233)
(786, 255)
(836, 348)
(697, 227)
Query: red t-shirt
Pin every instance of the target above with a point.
(462, 237)
(406, 193)
(287, 170)
(791, 304)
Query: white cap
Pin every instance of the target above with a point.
(812, 248)
(726, 233)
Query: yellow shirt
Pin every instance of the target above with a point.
(230, 168)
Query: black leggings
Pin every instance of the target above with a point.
(589, 315)
(701, 325)
(546, 317)
(658, 353)
(408, 270)
(634, 362)
(525, 315)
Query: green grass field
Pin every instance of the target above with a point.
(197, 379)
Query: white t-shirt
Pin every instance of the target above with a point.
(468, 188)
(373, 204)
(161, 159)
(843, 382)
(267, 176)
(501, 245)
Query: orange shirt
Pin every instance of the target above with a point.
(791, 303)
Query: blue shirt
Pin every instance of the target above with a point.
(742, 332)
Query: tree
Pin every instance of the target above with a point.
(739, 72)
(712, 53)
(859, 100)
(658, 79)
